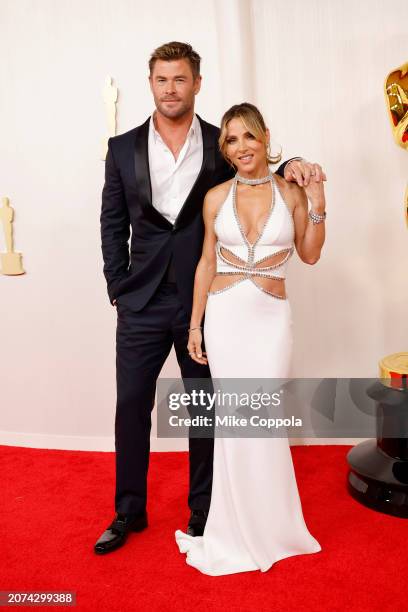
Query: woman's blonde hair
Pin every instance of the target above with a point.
(254, 123)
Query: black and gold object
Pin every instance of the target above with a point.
(378, 475)
(396, 96)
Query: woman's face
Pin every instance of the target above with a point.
(246, 152)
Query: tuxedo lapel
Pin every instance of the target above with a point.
(142, 173)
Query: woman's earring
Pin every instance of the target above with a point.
(276, 155)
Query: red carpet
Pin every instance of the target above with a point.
(54, 505)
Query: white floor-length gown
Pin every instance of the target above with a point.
(255, 516)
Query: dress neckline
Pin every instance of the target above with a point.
(252, 245)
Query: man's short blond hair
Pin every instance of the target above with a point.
(174, 51)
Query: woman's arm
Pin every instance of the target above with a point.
(204, 275)
(309, 236)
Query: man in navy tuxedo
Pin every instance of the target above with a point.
(156, 177)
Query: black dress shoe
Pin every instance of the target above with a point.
(196, 524)
(118, 531)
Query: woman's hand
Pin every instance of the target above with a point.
(315, 193)
(195, 339)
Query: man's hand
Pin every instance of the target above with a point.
(302, 172)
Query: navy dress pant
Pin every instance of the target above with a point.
(143, 342)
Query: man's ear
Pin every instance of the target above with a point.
(197, 84)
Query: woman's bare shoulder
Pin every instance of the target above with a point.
(283, 184)
(216, 195)
(290, 190)
(219, 190)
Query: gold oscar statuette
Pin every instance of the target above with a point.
(110, 97)
(11, 262)
(396, 97)
(394, 370)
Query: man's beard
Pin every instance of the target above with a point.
(175, 113)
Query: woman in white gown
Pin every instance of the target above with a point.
(252, 225)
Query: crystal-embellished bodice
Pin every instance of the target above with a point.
(274, 245)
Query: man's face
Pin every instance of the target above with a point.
(174, 87)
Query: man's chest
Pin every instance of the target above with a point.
(170, 177)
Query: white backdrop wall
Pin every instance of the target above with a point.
(315, 69)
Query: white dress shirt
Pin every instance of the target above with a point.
(172, 180)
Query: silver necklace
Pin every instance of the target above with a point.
(256, 181)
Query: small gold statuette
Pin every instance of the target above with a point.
(11, 262)
(396, 96)
(396, 93)
(394, 370)
(110, 97)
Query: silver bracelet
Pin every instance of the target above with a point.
(192, 328)
(316, 218)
